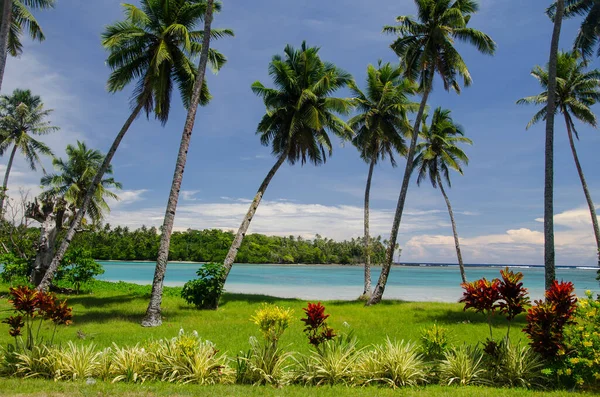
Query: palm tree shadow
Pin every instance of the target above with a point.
(94, 301)
(254, 299)
(454, 317)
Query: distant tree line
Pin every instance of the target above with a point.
(121, 243)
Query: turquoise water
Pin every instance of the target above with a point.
(414, 283)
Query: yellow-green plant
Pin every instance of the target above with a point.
(434, 342)
(463, 366)
(75, 362)
(130, 364)
(394, 363)
(37, 362)
(272, 321)
(517, 366)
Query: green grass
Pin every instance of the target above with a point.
(112, 313)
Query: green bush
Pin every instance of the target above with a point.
(78, 267)
(15, 270)
(434, 342)
(204, 292)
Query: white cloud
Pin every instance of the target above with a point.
(188, 195)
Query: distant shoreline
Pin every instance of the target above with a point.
(492, 265)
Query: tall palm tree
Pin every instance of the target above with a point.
(426, 47)
(153, 313)
(576, 91)
(379, 128)
(588, 36)
(549, 254)
(300, 112)
(22, 117)
(17, 16)
(437, 155)
(66, 190)
(151, 47)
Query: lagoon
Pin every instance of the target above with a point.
(430, 282)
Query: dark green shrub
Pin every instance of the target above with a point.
(78, 267)
(15, 270)
(204, 292)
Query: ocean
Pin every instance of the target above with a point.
(417, 282)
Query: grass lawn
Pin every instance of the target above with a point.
(112, 313)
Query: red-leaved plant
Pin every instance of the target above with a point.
(30, 305)
(514, 297)
(547, 319)
(482, 296)
(316, 328)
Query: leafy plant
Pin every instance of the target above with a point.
(204, 292)
(483, 296)
(130, 364)
(272, 321)
(78, 267)
(37, 362)
(434, 342)
(14, 268)
(547, 319)
(514, 297)
(316, 329)
(517, 367)
(395, 364)
(463, 366)
(76, 362)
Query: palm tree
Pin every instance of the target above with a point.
(22, 116)
(153, 313)
(151, 47)
(589, 33)
(426, 47)
(16, 16)
(437, 155)
(67, 189)
(576, 91)
(379, 127)
(549, 255)
(300, 111)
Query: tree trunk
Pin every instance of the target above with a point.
(239, 237)
(5, 23)
(456, 242)
(45, 251)
(549, 255)
(76, 223)
(367, 292)
(385, 269)
(586, 192)
(153, 314)
(5, 183)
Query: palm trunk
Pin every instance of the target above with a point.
(385, 269)
(4, 31)
(549, 254)
(153, 314)
(586, 192)
(76, 223)
(367, 292)
(239, 237)
(5, 183)
(456, 242)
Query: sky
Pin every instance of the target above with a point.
(498, 202)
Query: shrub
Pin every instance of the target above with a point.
(189, 359)
(514, 297)
(78, 267)
(37, 362)
(15, 269)
(434, 342)
(395, 364)
(76, 362)
(463, 366)
(332, 362)
(547, 319)
(130, 364)
(580, 365)
(272, 321)
(316, 328)
(204, 292)
(482, 296)
(518, 367)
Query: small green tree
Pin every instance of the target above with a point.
(78, 267)
(14, 268)
(204, 292)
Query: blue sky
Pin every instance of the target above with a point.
(498, 202)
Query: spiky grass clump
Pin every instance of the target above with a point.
(38, 362)
(463, 366)
(76, 362)
(518, 367)
(130, 364)
(395, 364)
(264, 364)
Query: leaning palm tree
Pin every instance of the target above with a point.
(60, 202)
(436, 156)
(379, 129)
(576, 91)
(588, 36)
(153, 313)
(17, 16)
(426, 47)
(152, 48)
(22, 116)
(300, 112)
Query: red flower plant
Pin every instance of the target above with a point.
(15, 323)
(547, 319)
(481, 295)
(59, 313)
(316, 328)
(24, 299)
(514, 296)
